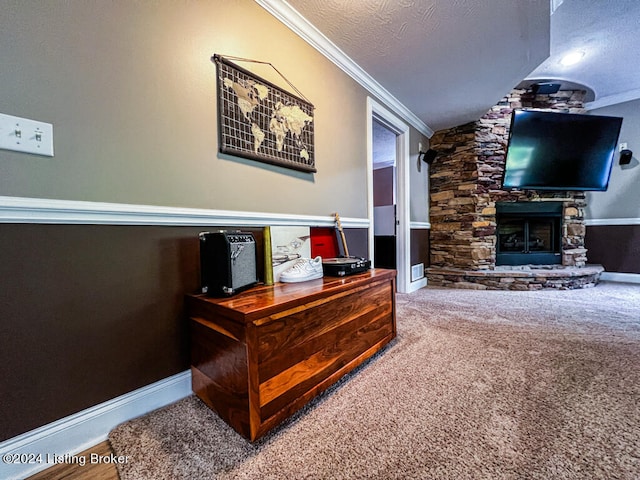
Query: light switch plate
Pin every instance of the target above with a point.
(24, 135)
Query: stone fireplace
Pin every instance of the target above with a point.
(486, 237)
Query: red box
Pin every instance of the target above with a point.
(324, 242)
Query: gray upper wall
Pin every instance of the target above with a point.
(622, 199)
(130, 90)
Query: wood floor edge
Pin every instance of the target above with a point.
(86, 465)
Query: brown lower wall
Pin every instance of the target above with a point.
(91, 312)
(615, 247)
(419, 247)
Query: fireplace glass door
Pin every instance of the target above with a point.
(528, 240)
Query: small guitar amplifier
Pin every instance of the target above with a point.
(228, 262)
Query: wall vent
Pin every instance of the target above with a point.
(417, 272)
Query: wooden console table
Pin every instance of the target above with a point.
(261, 355)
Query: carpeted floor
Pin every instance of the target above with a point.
(478, 385)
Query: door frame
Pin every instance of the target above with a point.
(401, 129)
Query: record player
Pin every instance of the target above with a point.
(341, 266)
(344, 265)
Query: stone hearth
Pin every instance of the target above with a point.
(526, 277)
(465, 183)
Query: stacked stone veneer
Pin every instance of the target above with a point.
(466, 184)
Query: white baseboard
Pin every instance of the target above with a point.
(78, 432)
(620, 277)
(417, 285)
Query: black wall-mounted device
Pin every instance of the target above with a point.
(228, 262)
(625, 157)
(429, 156)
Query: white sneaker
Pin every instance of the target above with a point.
(304, 269)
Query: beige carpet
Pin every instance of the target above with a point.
(478, 385)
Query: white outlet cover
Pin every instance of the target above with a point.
(25, 135)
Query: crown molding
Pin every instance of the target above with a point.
(314, 37)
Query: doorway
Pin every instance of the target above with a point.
(397, 223)
(384, 196)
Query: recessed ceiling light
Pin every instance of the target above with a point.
(572, 58)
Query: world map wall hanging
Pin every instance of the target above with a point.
(260, 121)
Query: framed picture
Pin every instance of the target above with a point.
(288, 244)
(260, 121)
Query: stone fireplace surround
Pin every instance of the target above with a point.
(465, 184)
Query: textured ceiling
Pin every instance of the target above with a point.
(449, 61)
(609, 35)
(384, 146)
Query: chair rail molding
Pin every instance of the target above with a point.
(598, 222)
(420, 225)
(50, 211)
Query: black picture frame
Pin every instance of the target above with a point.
(261, 121)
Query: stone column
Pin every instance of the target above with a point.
(466, 183)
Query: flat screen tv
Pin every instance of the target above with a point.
(560, 151)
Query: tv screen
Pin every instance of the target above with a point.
(560, 151)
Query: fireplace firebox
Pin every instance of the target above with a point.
(529, 233)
